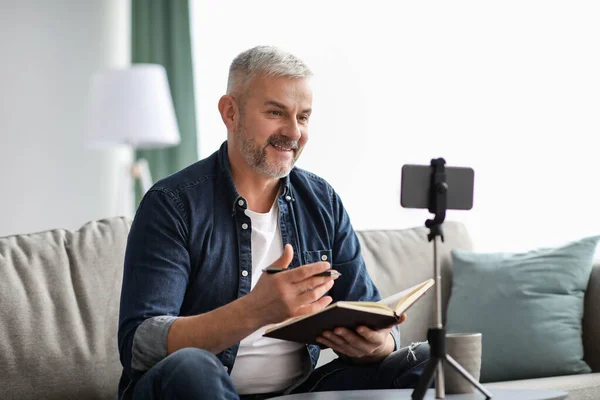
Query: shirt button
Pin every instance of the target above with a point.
(241, 202)
(244, 226)
(288, 197)
(244, 273)
(324, 257)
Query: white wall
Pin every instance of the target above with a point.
(509, 88)
(49, 51)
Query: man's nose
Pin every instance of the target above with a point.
(293, 129)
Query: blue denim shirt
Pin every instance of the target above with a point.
(189, 252)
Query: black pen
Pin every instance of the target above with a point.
(329, 272)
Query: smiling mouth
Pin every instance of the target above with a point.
(281, 148)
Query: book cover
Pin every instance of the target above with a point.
(375, 315)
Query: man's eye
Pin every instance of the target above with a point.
(276, 112)
(304, 118)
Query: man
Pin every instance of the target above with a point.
(195, 302)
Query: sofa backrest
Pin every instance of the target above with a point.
(59, 297)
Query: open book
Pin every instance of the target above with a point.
(349, 314)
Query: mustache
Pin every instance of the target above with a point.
(283, 141)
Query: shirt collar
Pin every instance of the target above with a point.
(237, 200)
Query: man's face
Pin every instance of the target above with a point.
(273, 124)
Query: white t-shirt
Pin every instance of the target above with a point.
(265, 365)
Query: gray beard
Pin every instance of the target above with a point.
(256, 157)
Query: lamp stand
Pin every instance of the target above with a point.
(139, 170)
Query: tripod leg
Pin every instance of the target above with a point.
(440, 385)
(426, 378)
(452, 362)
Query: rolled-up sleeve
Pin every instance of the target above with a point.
(150, 342)
(155, 278)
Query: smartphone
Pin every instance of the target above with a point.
(416, 185)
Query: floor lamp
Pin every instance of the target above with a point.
(132, 107)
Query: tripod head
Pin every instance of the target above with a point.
(437, 188)
(437, 198)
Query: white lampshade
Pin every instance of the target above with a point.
(132, 106)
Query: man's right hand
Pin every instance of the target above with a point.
(287, 294)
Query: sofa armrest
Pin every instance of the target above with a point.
(591, 320)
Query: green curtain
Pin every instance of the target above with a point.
(160, 34)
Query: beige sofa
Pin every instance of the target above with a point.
(59, 297)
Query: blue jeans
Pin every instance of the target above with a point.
(197, 374)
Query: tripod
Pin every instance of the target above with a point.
(437, 335)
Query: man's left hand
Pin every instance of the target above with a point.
(363, 345)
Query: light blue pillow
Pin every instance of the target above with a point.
(528, 306)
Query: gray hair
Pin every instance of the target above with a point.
(267, 61)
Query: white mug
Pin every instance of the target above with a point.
(465, 348)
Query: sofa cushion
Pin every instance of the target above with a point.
(60, 295)
(529, 307)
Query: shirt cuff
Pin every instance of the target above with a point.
(395, 332)
(150, 342)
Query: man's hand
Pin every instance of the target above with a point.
(364, 346)
(287, 294)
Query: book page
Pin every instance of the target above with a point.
(410, 295)
(395, 300)
(368, 305)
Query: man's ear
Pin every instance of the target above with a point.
(230, 112)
